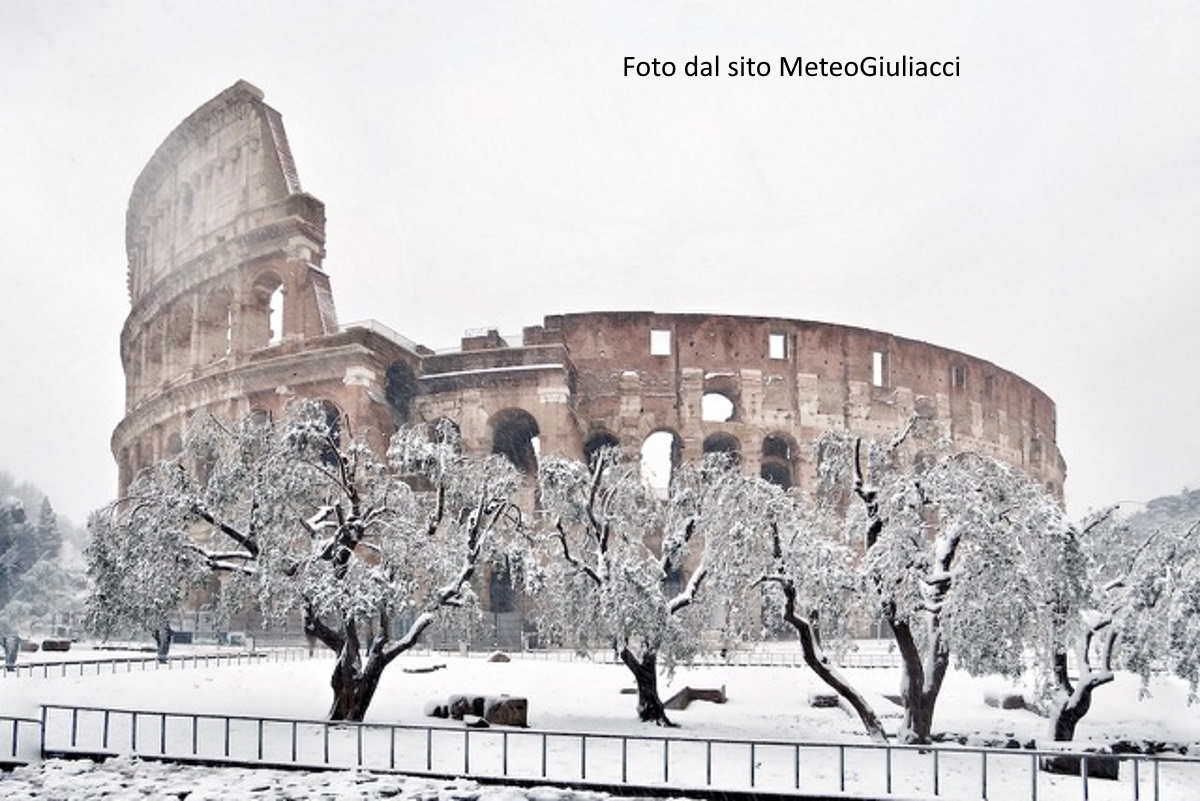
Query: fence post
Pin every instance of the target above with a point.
(937, 783)
(888, 767)
(841, 768)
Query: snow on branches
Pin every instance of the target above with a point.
(962, 552)
(297, 522)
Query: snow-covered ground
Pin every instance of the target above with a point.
(764, 703)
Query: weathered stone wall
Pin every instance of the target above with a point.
(231, 312)
(787, 380)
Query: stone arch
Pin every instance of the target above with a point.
(724, 443)
(720, 401)
(216, 324)
(262, 317)
(515, 437)
(598, 441)
(662, 452)
(716, 407)
(179, 339)
(153, 369)
(779, 459)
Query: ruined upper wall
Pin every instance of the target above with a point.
(624, 375)
(224, 179)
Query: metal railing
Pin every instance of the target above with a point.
(873, 770)
(128, 664)
(15, 749)
(737, 658)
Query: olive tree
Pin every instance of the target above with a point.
(615, 566)
(367, 551)
(960, 554)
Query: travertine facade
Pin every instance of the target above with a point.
(231, 311)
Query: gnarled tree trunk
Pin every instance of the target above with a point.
(920, 682)
(353, 685)
(816, 659)
(645, 673)
(1074, 701)
(162, 641)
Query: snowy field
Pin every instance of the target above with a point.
(764, 703)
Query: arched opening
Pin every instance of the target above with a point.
(515, 437)
(275, 317)
(216, 325)
(334, 420)
(723, 443)
(263, 317)
(661, 452)
(778, 459)
(174, 445)
(598, 442)
(716, 407)
(179, 340)
(153, 371)
(502, 596)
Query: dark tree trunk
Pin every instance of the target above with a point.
(920, 683)
(353, 689)
(162, 639)
(645, 673)
(353, 684)
(1074, 701)
(12, 648)
(815, 658)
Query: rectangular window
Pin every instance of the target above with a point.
(989, 385)
(958, 376)
(660, 342)
(879, 368)
(777, 346)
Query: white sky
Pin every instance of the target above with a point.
(485, 164)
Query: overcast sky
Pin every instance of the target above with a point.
(486, 164)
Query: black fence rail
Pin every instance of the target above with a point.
(130, 664)
(20, 740)
(871, 770)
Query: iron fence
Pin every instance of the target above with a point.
(20, 739)
(123, 664)
(874, 770)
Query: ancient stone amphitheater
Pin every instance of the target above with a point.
(231, 311)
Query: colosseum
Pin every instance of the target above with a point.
(232, 311)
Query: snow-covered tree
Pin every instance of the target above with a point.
(617, 567)
(369, 552)
(954, 549)
(790, 568)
